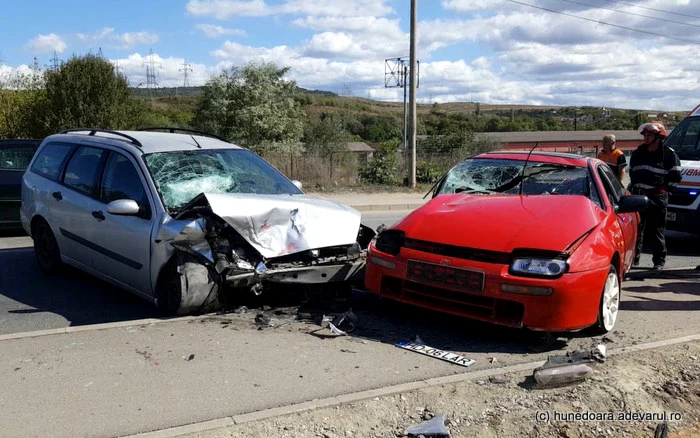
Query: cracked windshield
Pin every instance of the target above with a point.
(180, 176)
(486, 176)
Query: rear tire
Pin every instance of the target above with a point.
(609, 306)
(46, 251)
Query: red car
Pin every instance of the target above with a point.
(538, 240)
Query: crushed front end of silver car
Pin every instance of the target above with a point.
(230, 240)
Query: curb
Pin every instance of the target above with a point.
(387, 207)
(91, 327)
(380, 392)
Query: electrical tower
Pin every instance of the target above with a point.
(151, 74)
(55, 61)
(119, 70)
(186, 69)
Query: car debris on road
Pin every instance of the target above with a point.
(570, 367)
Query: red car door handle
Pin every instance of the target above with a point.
(57, 195)
(97, 214)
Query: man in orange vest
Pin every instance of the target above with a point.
(612, 156)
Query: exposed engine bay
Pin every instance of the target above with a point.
(248, 241)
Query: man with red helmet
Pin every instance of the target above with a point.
(654, 172)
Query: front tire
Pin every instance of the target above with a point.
(46, 251)
(609, 306)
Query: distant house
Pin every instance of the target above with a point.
(362, 150)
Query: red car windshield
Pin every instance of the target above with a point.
(487, 176)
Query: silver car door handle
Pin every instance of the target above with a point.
(57, 196)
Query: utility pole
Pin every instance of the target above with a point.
(412, 97)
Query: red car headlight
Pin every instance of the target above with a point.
(540, 267)
(390, 241)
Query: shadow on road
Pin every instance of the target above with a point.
(79, 298)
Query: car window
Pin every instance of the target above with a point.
(612, 186)
(50, 159)
(121, 180)
(488, 176)
(82, 168)
(684, 139)
(180, 176)
(476, 174)
(15, 158)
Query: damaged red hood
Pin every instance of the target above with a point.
(503, 222)
(277, 225)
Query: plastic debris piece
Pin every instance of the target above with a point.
(568, 368)
(190, 358)
(346, 322)
(434, 427)
(240, 310)
(262, 320)
(598, 353)
(335, 330)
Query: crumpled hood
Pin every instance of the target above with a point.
(277, 225)
(503, 222)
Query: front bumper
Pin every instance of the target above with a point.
(571, 305)
(305, 274)
(685, 219)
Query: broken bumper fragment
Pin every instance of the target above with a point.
(352, 270)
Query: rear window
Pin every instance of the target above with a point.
(16, 158)
(49, 160)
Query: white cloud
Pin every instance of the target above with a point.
(225, 9)
(46, 44)
(108, 37)
(214, 31)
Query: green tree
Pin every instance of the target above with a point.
(87, 92)
(20, 97)
(326, 136)
(253, 106)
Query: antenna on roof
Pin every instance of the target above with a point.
(522, 179)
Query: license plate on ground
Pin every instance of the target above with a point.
(670, 216)
(436, 353)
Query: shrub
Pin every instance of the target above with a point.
(427, 172)
(381, 168)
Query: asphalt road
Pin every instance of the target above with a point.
(32, 301)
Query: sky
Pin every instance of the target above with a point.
(637, 54)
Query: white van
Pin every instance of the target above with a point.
(684, 203)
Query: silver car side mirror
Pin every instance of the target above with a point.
(297, 183)
(123, 207)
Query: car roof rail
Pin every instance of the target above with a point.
(92, 131)
(173, 130)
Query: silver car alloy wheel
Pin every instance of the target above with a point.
(610, 304)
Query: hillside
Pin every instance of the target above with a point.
(180, 103)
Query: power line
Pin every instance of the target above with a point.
(607, 24)
(653, 9)
(631, 13)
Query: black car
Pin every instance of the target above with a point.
(15, 156)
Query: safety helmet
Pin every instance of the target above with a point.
(655, 127)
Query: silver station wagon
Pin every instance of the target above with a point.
(176, 217)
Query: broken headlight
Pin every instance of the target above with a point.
(390, 241)
(539, 267)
